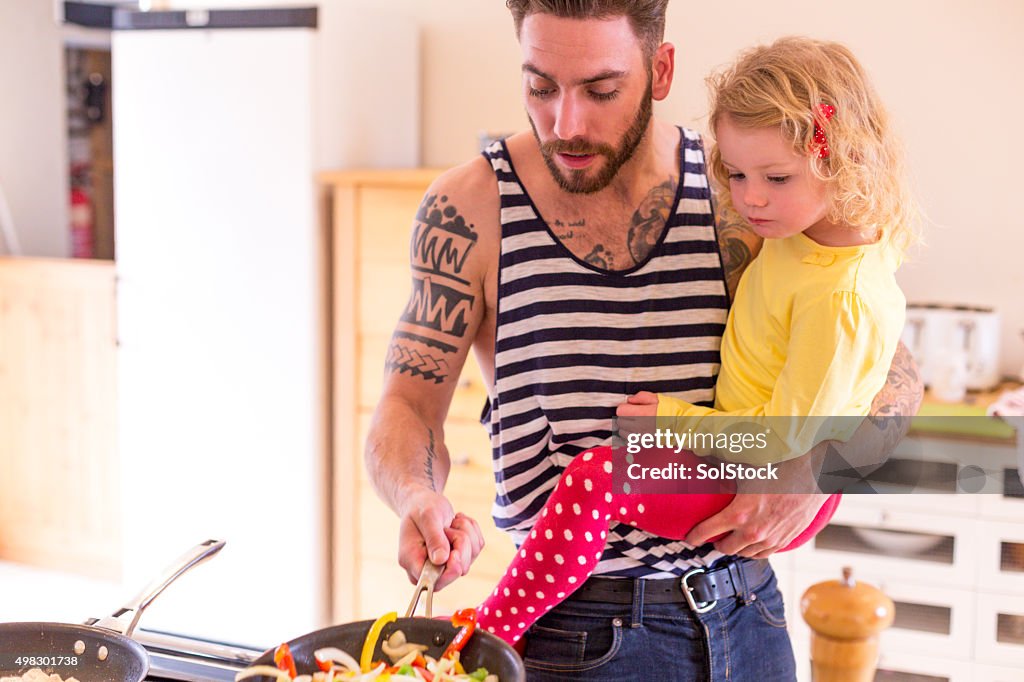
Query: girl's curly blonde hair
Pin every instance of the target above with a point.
(783, 84)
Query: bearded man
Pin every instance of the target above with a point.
(588, 268)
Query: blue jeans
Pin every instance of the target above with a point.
(742, 639)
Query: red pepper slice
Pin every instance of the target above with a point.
(465, 619)
(424, 673)
(284, 661)
(324, 665)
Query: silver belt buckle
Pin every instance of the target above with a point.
(698, 607)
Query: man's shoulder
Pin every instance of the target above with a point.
(471, 188)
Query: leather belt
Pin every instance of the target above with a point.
(699, 588)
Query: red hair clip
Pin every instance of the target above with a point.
(826, 111)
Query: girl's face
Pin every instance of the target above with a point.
(772, 187)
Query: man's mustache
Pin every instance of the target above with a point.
(576, 146)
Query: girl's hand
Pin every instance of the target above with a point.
(642, 404)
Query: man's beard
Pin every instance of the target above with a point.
(577, 181)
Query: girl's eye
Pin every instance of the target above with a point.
(605, 96)
(778, 179)
(539, 93)
(736, 176)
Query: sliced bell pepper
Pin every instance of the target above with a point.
(284, 661)
(371, 639)
(466, 620)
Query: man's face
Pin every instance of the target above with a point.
(588, 96)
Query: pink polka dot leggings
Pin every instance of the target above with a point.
(566, 543)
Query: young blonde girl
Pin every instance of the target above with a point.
(805, 156)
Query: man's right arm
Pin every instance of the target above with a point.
(405, 454)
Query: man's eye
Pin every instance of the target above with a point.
(539, 93)
(604, 96)
(778, 179)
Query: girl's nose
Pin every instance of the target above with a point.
(754, 196)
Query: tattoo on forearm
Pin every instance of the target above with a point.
(404, 359)
(600, 257)
(431, 456)
(650, 218)
(441, 239)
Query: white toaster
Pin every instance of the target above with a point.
(937, 332)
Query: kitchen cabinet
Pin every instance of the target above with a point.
(59, 506)
(952, 564)
(371, 219)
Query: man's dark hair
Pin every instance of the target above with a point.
(647, 17)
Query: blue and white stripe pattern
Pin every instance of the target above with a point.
(573, 341)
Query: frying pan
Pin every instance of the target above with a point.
(483, 649)
(54, 643)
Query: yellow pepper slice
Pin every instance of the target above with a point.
(371, 639)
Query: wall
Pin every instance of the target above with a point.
(947, 70)
(33, 138)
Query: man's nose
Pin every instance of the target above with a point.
(569, 118)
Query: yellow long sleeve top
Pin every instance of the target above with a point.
(812, 333)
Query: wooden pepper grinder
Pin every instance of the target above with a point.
(845, 617)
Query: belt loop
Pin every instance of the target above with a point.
(741, 575)
(637, 617)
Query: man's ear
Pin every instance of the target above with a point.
(662, 67)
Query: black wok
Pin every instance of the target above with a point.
(53, 644)
(483, 649)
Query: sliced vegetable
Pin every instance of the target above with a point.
(465, 619)
(371, 639)
(284, 661)
(480, 674)
(397, 648)
(327, 656)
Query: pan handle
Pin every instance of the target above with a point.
(126, 618)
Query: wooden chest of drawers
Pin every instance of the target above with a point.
(371, 219)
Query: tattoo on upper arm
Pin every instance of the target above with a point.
(441, 243)
(435, 306)
(431, 457)
(402, 358)
(901, 396)
(734, 242)
(899, 400)
(426, 341)
(650, 219)
(441, 239)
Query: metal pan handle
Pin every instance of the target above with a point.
(126, 618)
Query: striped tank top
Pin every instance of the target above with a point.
(574, 340)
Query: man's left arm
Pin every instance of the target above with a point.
(760, 524)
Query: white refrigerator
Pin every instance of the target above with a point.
(222, 299)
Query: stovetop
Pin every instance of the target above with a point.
(188, 659)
